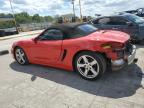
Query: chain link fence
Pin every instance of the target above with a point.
(33, 26)
(24, 28)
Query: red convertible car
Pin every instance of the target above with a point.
(79, 47)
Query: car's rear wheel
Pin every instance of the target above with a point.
(90, 65)
(20, 56)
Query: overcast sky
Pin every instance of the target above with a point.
(54, 7)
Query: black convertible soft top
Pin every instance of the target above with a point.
(71, 30)
(68, 27)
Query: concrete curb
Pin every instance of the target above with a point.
(16, 36)
(20, 35)
(4, 52)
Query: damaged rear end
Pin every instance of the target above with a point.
(126, 56)
(117, 47)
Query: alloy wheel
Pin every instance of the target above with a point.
(20, 56)
(88, 66)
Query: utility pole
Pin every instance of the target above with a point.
(13, 16)
(73, 7)
(80, 10)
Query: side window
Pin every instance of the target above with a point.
(117, 21)
(52, 34)
(105, 20)
(95, 21)
(73, 34)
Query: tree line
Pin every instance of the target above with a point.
(23, 18)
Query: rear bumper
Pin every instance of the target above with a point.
(127, 60)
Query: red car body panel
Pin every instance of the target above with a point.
(51, 52)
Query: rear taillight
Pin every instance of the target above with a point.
(106, 46)
(113, 46)
(116, 45)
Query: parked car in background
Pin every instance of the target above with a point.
(7, 25)
(8, 31)
(78, 47)
(125, 22)
(139, 12)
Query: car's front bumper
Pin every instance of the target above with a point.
(127, 60)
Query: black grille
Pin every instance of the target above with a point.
(128, 48)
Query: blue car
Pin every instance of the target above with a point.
(125, 22)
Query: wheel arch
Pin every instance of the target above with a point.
(15, 49)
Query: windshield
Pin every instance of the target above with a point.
(135, 18)
(87, 28)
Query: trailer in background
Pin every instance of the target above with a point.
(6, 28)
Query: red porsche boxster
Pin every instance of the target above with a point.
(79, 47)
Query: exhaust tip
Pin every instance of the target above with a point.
(135, 60)
(4, 52)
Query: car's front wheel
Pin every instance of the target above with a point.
(20, 56)
(90, 65)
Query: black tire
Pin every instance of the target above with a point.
(100, 60)
(26, 61)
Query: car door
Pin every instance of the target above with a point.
(121, 24)
(102, 23)
(47, 47)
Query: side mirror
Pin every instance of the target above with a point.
(35, 39)
(129, 23)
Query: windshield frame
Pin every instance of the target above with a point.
(134, 18)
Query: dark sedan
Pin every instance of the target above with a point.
(125, 22)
